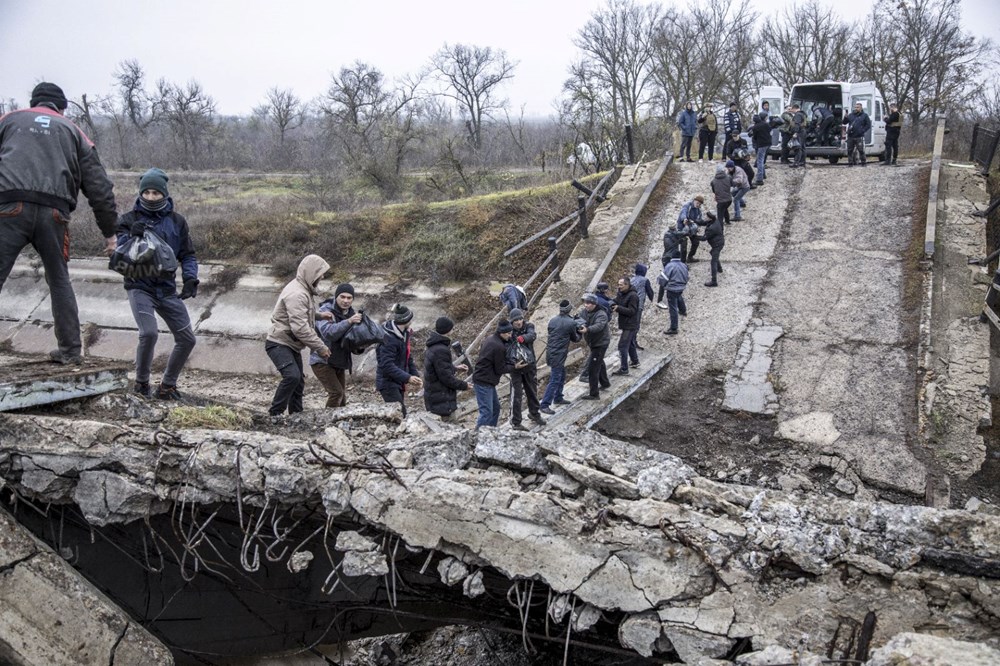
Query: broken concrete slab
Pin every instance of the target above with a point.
(748, 386)
(33, 384)
(815, 428)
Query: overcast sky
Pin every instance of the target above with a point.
(238, 50)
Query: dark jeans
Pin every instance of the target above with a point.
(288, 395)
(856, 145)
(722, 211)
(554, 390)
(626, 348)
(675, 301)
(393, 394)
(598, 370)
(800, 155)
(47, 231)
(685, 255)
(706, 139)
(685, 150)
(785, 151)
(171, 309)
(489, 404)
(891, 147)
(524, 383)
(716, 265)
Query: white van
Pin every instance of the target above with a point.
(840, 97)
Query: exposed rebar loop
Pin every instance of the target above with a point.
(386, 468)
(522, 601)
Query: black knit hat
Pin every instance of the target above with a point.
(503, 326)
(154, 179)
(49, 93)
(344, 288)
(443, 325)
(401, 314)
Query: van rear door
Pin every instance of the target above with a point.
(865, 93)
(775, 97)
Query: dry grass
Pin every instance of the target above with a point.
(213, 417)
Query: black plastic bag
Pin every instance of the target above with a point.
(145, 256)
(518, 353)
(362, 335)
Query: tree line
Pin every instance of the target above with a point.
(635, 64)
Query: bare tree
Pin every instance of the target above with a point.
(917, 53)
(617, 42)
(130, 80)
(807, 42)
(283, 110)
(473, 75)
(189, 113)
(7, 105)
(373, 123)
(587, 112)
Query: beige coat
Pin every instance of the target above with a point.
(293, 320)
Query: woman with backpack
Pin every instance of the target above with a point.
(155, 293)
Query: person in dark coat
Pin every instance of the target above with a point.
(732, 122)
(513, 296)
(785, 132)
(597, 332)
(798, 135)
(675, 279)
(491, 365)
(824, 120)
(603, 302)
(722, 187)
(524, 382)
(715, 236)
(858, 123)
(687, 121)
(396, 371)
(644, 289)
(685, 231)
(335, 317)
(733, 143)
(708, 131)
(761, 133)
(626, 306)
(441, 385)
(561, 332)
(46, 161)
(893, 125)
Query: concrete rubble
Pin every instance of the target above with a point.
(694, 565)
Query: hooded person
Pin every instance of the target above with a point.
(644, 288)
(45, 162)
(340, 318)
(151, 294)
(562, 331)
(722, 188)
(441, 384)
(687, 121)
(396, 370)
(293, 328)
(491, 366)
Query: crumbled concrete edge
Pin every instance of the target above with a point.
(624, 529)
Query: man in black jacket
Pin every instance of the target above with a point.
(524, 381)
(441, 386)
(858, 123)
(626, 305)
(491, 365)
(799, 135)
(893, 124)
(761, 134)
(715, 236)
(562, 331)
(45, 160)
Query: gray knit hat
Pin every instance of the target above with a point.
(565, 307)
(516, 313)
(401, 314)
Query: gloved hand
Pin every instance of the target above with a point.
(190, 289)
(138, 228)
(520, 339)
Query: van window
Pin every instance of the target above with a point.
(878, 110)
(866, 103)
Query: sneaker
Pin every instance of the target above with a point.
(585, 380)
(537, 418)
(719, 268)
(165, 392)
(738, 219)
(692, 260)
(671, 331)
(518, 426)
(640, 347)
(562, 401)
(621, 372)
(663, 306)
(634, 365)
(57, 356)
(546, 410)
(711, 284)
(700, 160)
(591, 397)
(141, 388)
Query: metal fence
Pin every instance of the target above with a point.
(984, 146)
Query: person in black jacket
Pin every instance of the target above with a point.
(157, 294)
(396, 371)
(626, 305)
(893, 124)
(441, 385)
(46, 161)
(562, 332)
(799, 135)
(491, 365)
(335, 317)
(858, 123)
(715, 236)
(761, 133)
(524, 381)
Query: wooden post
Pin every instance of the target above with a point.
(581, 204)
(972, 146)
(629, 144)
